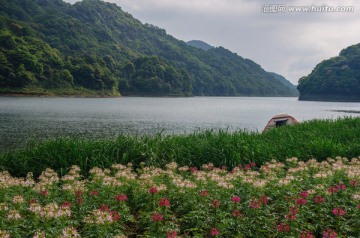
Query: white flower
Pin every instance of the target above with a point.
(39, 234)
(171, 166)
(18, 199)
(13, 215)
(69, 232)
(35, 207)
(4, 207)
(183, 169)
(356, 196)
(4, 234)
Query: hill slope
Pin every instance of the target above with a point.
(200, 44)
(286, 82)
(335, 79)
(50, 45)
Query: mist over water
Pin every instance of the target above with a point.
(23, 118)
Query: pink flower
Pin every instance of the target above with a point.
(78, 197)
(264, 200)
(333, 189)
(44, 193)
(94, 193)
(294, 210)
(157, 217)
(215, 203)
(328, 233)
(290, 217)
(78, 193)
(253, 164)
(254, 204)
(66, 204)
(204, 193)
(301, 201)
(283, 227)
(247, 166)
(339, 211)
(171, 234)
(78, 200)
(121, 197)
(354, 183)
(304, 194)
(235, 199)
(224, 167)
(306, 234)
(236, 213)
(214, 232)
(153, 190)
(319, 199)
(341, 186)
(115, 215)
(164, 202)
(104, 207)
(358, 206)
(193, 169)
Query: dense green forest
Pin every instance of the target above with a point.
(93, 46)
(335, 79)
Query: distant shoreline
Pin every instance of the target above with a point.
(55, 95)
(36, 92)
(90, 95)
(346, 111)
(329, 98)
(93, 94)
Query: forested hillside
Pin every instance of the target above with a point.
(288, 84)
(93, 46)
(335, 79)
(200, 44)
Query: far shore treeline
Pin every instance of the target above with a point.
(335, 79)
(94, 48)
(317, 139)
(49, 47)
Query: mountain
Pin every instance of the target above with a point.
(335, 79)
(49, 46)
(200, 44)
(285, 82)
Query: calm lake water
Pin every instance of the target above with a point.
(22, 118)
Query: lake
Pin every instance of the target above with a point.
(22, 118)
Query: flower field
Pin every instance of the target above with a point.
(290, 199)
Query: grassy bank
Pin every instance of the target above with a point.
(314, 139)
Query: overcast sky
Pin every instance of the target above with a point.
(288, 43)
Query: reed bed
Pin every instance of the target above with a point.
(318, 139)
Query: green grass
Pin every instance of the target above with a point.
(318, 139)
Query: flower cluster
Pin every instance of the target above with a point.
(102, 216)
(50, 211)
(278, 199)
